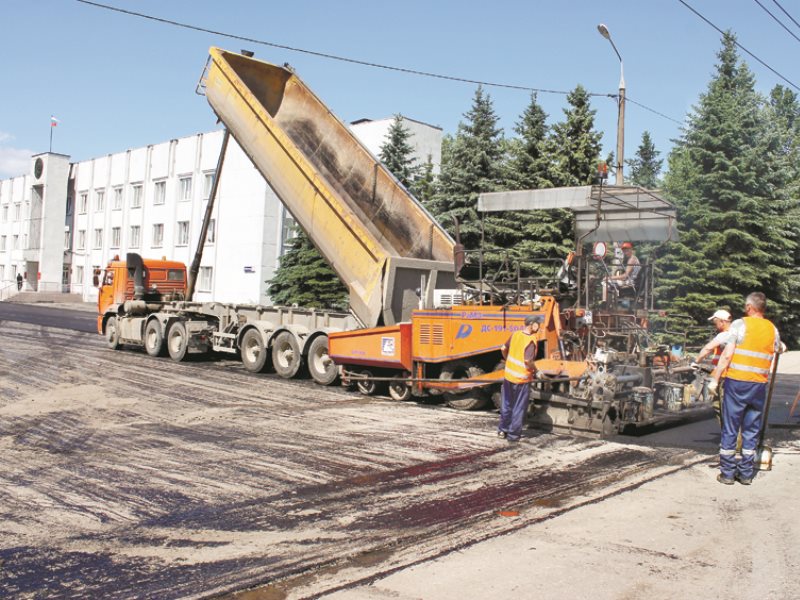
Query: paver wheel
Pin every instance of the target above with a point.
(469, 399)
(399, 389)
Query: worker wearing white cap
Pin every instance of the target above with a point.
(722, 322)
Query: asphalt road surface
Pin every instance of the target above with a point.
(126, 476)
(47, 316)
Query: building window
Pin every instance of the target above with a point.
(98, 238)
(67, 239)
(5, 213)
(183, 233)
(159, 192)
(81, 239)
(117, 198)
(288, 232)
(185, 188)
(16, 211)
(135, 235)
(211, 235)
(206, 275)
(2, 273)
(83, 200)
(78, 274)
(208, 183)
(158, 234)
(116, 235)
(101, 200)
(2, 242)
(136, 195)
(16, 242)
(25, 241)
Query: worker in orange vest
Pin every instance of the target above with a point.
(752, 344)
(519, 353)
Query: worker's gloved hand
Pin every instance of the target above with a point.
(694, 365)
(713, 385)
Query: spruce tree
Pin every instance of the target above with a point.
(424, 185)
(471, 164)
(396, 153)
(646, 165)
(724, 176)
(574, 144)
(305, 279)
(541, 234)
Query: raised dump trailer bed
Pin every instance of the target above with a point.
(376, 236)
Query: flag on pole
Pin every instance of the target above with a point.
(53, 121)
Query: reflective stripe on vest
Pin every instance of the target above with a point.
(752, 358)
(516, 371)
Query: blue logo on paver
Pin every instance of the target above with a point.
(463, 331)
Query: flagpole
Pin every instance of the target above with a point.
(51, 136)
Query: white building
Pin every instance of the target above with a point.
(64, 221)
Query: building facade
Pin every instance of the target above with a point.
(61, 223)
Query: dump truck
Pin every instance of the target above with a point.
(380, 241)
(601, 370)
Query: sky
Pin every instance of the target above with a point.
(116, 81)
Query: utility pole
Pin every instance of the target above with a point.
(618, 178)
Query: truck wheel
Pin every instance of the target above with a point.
(470, 399)
(112, 333)
(154, 338)
(286, 356)
(323, 370)
(399, 389)
(253, 352)
(177, 341)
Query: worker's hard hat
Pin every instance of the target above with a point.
(626, 245)
(721, 314)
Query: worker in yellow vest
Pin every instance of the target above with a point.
(751, 346)
(519, 353)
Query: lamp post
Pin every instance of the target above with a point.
(621, 105)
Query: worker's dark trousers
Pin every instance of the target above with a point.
(743, 405)
(514, 409)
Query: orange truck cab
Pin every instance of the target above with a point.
(160, 281)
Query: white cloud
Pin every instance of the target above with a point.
(13, 161)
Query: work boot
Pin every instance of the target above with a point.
(725, 480)
(502, 434)
(744, 480)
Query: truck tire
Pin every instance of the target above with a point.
(322, 369)
(286, 356)
(471, 399)
(112, 333)
(177, 341)
(154, 338)
(253, 352)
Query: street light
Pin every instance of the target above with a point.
(621, 114)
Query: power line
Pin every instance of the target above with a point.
(324, 54)
(778, 4)
(352, 60)
(777, 20)
(738, 45)
(632, 101)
